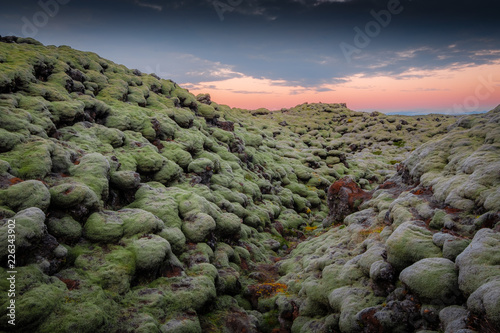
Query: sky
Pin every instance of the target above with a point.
(393, 56)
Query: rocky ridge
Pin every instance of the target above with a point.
(140, 207)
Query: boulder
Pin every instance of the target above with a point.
(409, 243)
(125, 180)
(197, 227)
(29, 229)
(453, 318)
(157, 199)
(150, 252)
(77, 198)
(344, 197)
(228, 224)
(434, 280)
(485, 302)
(478, 263)
(138, 221)
(30, 193)
(104, 227)
(175, 237)
(64, 228)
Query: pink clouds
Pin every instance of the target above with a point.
(452, 90)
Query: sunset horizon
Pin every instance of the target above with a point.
(392, 56)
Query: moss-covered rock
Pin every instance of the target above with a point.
(65, 228)
(104, 227)
(31, 160)
(125, 180)
(453, 318)
(175, 237)
(29, 228)
(150, 252)
(409, 243)
(30, 193)
(485, 302)
(93, 171)
(138, 221)
(200, 165)
(290, 219)
(186, 293)
(169, 173)
(176, 153)
(433, 279)
(77, 198)
(349, 301)
(110, 267)
(197, 227)
(477, 264)
(37, 296)
(155, 198)
(228, 225)
(230, 190)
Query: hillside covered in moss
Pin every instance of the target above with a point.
(140, 207)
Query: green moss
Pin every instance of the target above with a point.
(155, 198)
(184, 96)
(183, 294)
(37, 295)
(29, 229)
(31, 160)
(9, 140)
(150, 252)
(69, 195)
(104, 227)
(201, 165)
(65, 228)
(169, 173)
(66, 112)
(33, 306)
(31, 193)
(111, 268)
(93, 171)
(228, 225)
(124, 180)
(175, 237)
(191, 140)
(410, 243)
(198, 226)
(207, 111)
(84, 312)
(175, 152)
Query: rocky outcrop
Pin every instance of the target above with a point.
(344, 197)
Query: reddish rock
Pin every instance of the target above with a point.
(344, 198)
(226, 125)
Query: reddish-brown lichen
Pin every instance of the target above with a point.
(344, 197)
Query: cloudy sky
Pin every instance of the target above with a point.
(387, 55)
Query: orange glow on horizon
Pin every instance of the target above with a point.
(448, 90)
